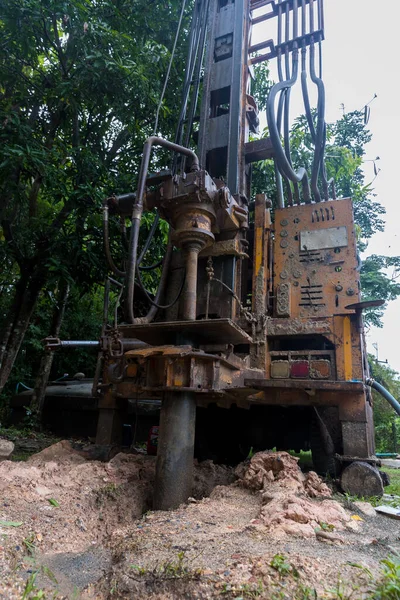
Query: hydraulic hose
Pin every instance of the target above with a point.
(106, 239)
(137, 210)
(383, 392)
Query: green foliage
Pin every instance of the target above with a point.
(394, 487)
(387, 422)
(388, 588)
(261, 84)
(177, 568)
(32, 592)
(379, 277)
(79, 86)
(280, 563)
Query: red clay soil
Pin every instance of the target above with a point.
(266, 531)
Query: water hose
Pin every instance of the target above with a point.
(383, 392)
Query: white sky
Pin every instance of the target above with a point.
(361, 58)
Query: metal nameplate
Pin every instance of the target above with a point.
(332, 237)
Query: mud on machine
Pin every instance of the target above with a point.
(254, 318)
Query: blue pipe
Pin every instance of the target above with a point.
(383, 392)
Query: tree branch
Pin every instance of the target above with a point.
(8, 234)
(60, 53)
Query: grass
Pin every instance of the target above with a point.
(365, 586)
(394, 487)
(178, 568)
(305, 458)
(21, 435)
(32, 592)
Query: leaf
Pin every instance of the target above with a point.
(11, 523)
(53, 502)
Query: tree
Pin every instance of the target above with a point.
(42, 378)
(79, 85)
(386, 419)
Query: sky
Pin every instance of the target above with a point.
(360, 59)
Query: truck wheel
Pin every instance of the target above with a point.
(361, 479)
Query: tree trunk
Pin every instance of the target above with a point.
(20, 314)
(20, 290)
(39, 390)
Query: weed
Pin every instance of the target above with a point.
(284, 568)
(250, 454)
(349, 500)
(388, 587)
(326, 526)
(31, 592)
(139, 570)
(304, 592)
(180, 568)
(53, 502)
(31, 419)
(385, 587)
(394, 487)
(244, 591)
(113, 587)
(342, 590)
(111, 491)
(29, 543)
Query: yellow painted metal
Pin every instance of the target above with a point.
(259, 235)
(347, 349)
(260, 255)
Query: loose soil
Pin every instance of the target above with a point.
(265, 530)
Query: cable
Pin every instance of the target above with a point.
(169, 68)
(149, 238)
(153, 302)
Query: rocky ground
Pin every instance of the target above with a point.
(73, 527)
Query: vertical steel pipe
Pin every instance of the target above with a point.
(174, 469)
(190, 291)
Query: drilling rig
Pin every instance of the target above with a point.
(256, 328)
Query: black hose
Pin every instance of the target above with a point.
(153, 266)
(383, 392)
(320, 130)
(154, 302)
(106, 240)
(149, 238)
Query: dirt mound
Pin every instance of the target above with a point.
(66, 503)
(207, 475)
(287, 493)
(61, 452)
(72, 502)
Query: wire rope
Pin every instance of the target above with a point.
(169, 67)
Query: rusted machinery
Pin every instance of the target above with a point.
(256, 323)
